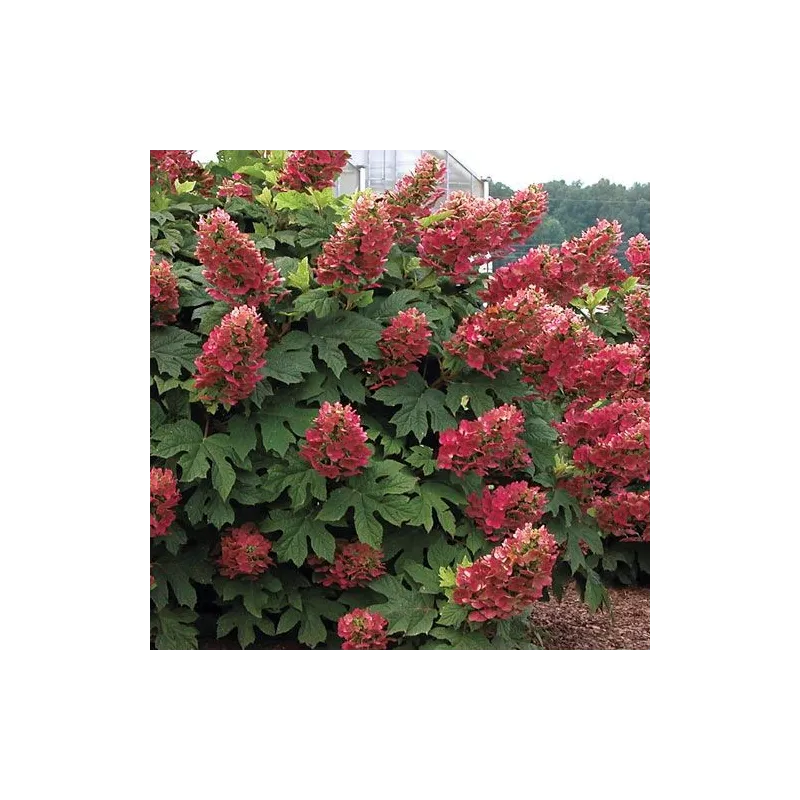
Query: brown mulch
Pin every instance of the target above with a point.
(569, 625)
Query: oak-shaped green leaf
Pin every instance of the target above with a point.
(298, 529)
(174, 629)
(281, 425)
(505, 387)
(180, 571)
(298, 477)
(381, 491)
(408, 611)
(359, 333)
(174, 349)
(290, 358)
(245, 624)
(419, 402)
(431, 497)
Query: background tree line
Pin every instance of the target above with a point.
(574, 207)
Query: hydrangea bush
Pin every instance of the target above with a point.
(364, 439)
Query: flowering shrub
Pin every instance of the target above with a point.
(361, 441)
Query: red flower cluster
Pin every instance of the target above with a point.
(511, 578)
(582, 424)
(314, 169)
(356, 254)
(494, 339)
(363, 630)
(163, 292)
(228, 368)
(245, 552)
(624, 455)
(354, 564)
(414, 195)
(525, 211)
(475, 230)
(625, 515)
(235, 186)
(167, 166)
(335, 443)
(554, 357)
(164, 496)
(590, 259)
(615, 370)
(539, 267)
(638, 255)
(233, 265)
(499, 512)
(491, 443)
(402, 344)
(637, 314)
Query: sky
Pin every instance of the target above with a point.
(569, 155)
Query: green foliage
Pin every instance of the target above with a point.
(382, 491)
(242, 465)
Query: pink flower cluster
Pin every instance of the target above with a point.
(637, 315)
(511, 578)
(638, 255)
(525, 211)
(584, 423)
(363, 630)
(245, 552)
(163, 292)
(228, 368)
(540, 267)
(312, 169)
(590, 259)
(402, 344)
(616, 370)
(494, 339)
(167, 166)
(625, 455)
(234, 267)
(354, 564)
(500, 511)
(355, 256)
(336, 443)
(414, 195)
(235, 186)
(164, 497)
(491, 443)
(474, 230)
(555, 355)
(625, 515)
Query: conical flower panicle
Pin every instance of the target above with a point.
(234, 267)
(228, 368)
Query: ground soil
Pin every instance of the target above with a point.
(569, 625)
